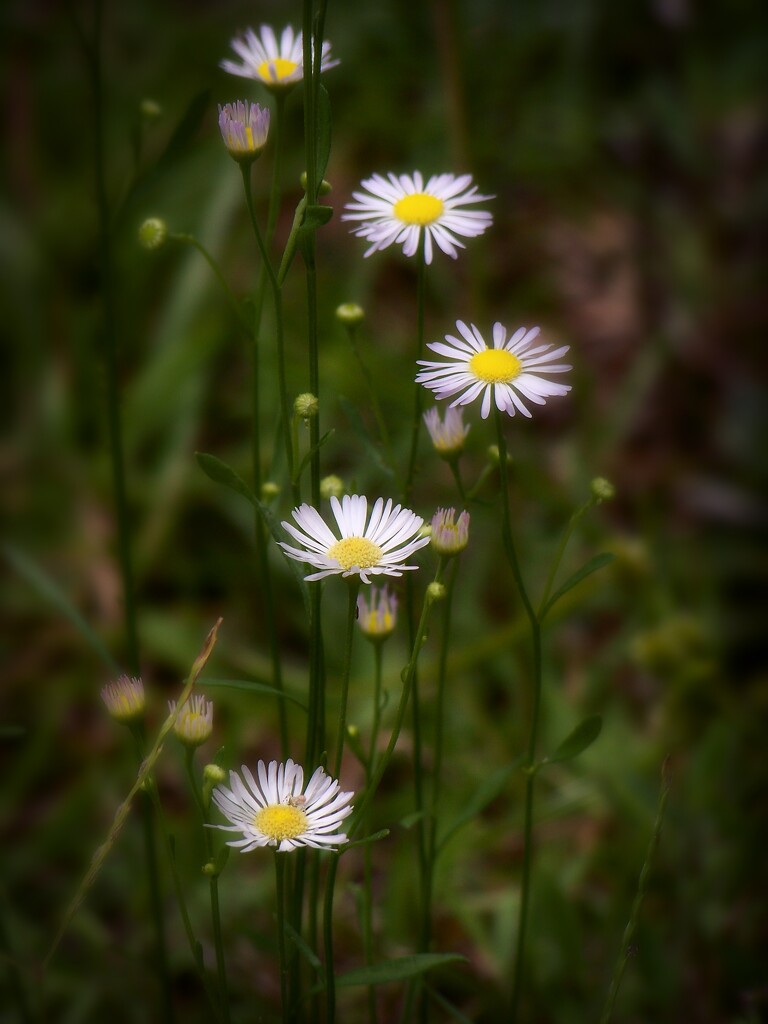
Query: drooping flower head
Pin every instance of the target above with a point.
(276, 810)
(377, 617)
(397, 209)
(244, 128)
(508, 372)
(365, 547)
(447, 435)
(278, 65)
(194, 722)
(124, 699)
(449, 536)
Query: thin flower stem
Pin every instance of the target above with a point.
(420, 290)
(407, 678)
(230, 296)
(377, 675)
(283, 953)
(572, 523)
(278, 147)
(213, 884)
(330, 976)
(642, 883)
(456, 470)
(278, 302)
(373, 398)
(368, 927)
(535, 627)
(352, 592)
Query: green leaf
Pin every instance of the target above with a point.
(399, 969)
(359, 428)
(410, 819)
(308, 455)
(52, 592)
(314, 962)
(449, 1008)
(484, 795)
(583, 736)
(324, 132)
(187, 126)
(221, 473)
(252, 687)
(581, 574)
(372, 838)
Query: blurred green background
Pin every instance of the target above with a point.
(625, 145)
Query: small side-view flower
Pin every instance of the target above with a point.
(277, 64)
(276, 810)
(244, 128)
(366, 547)
(396, 209)
(507, 372)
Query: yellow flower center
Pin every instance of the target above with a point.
(355, 551)
(277, 69)
(495, 366)
(418, 209)
(281, 821)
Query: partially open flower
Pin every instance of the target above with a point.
(449, 537)
(194, 723)
(377, 616)
(244, 128)
(124, 699)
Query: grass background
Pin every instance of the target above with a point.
(625, 145)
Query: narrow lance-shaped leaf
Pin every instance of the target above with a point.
(593, 565)
(577, 741)
(399, 969)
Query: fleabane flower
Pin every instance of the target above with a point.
(448, 434)
(194, 722)
(449, 535)
(124, 699)
(276, 810)
(278, 65)
(508, 372)
(367, 547)
(244, 128)
(377, 617)
(396, 209)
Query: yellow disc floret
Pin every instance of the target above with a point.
(495, 366)
(355, 551)
(281, 821)
(419, 208)
(277, 69)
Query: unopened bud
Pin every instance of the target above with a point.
(322, 189)
(210, 869)
(436, 591)
(153, 233)
(150, 110)
(269, 490)
(602, 489)
(306, 405)
(332, 487)
(350, 314)
(214, 773)
(493, 455)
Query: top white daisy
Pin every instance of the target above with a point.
(395, 211)
(508, 372)
(378, 547)
(278, 65)
(274, 811)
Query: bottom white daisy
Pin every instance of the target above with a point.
(277, 811)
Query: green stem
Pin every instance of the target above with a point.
(535, 627)
(330, 976)
(377, 675)
(420, 291)
(230, 295)
(280, 900)
(353, 589)
(456, 471)
(373, 397)
(213, 884)
(368, 927)
(642, 884)
(278, 302)
(572, 523)
(275, 192)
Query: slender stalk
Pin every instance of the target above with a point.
(642, 884)
(352, 592)
(368, 927)
(420, 292)
(377, 675)
(456, 471)
(535, 627)
(213, 884)
(281, 945)
(572, 522)
(330, 976)
(278, 302)
(229, 294)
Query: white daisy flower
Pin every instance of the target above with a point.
(277, 811)
(377, 548)
(278, 65)
(508, 372)
(395, 211)
(448, 435)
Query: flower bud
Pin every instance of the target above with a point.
(436, 591)
(332, 487)
(150, 109)
(322, 189)
(493, 455)
(602, 489)
(448, 537)
(269, 490)
(350, 314)
(124, 699)
(244, 128)
(306, 405)
(377, 617)
(153, 233)
(194, 722)
(214, 773)
(447, 435)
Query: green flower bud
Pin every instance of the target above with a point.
(153, 233)
(332, 487)
(269, 490)
(602, 489)
(350, 314)
(306, 405)
(436, 591)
